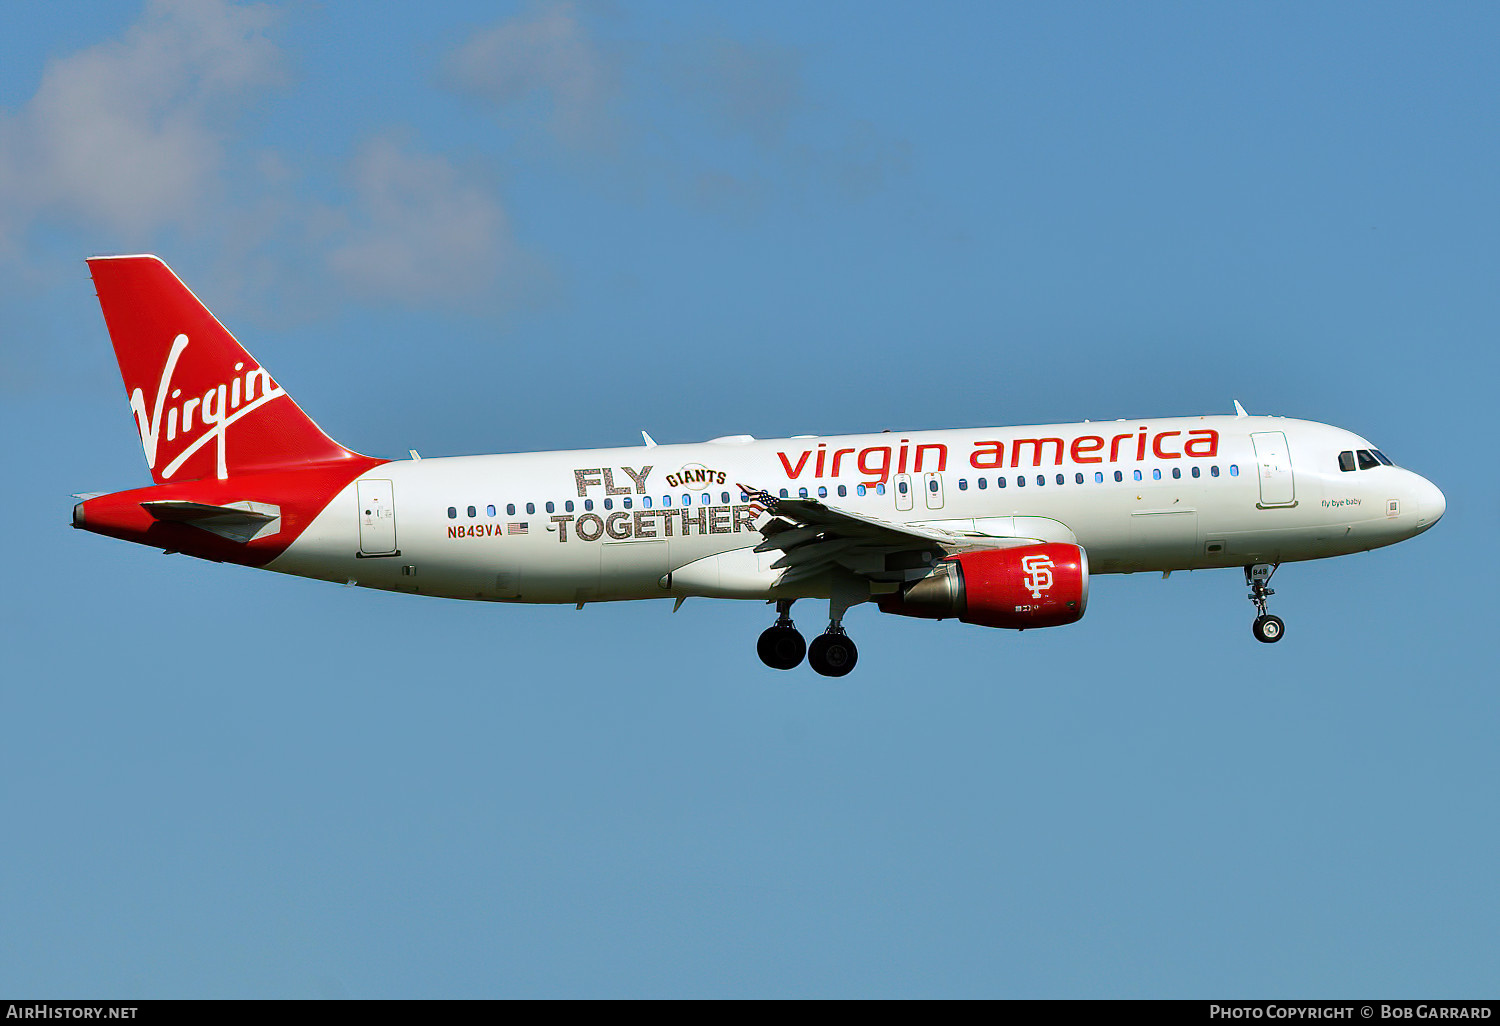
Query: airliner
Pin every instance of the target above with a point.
(1000, 527)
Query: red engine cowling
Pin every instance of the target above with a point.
(1044, 585)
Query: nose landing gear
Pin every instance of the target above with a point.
(1266, 628)
(781, 646)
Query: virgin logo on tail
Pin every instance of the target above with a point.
(212, 411)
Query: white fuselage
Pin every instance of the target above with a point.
(681, 520)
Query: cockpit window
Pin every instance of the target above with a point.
(1382, 457)
(1366, 460)
(1346, 460)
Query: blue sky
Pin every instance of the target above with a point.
(501, 227)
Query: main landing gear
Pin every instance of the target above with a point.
(832, 653)
(781, 646)
(1266, 628)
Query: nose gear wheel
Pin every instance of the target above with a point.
(1266, 628)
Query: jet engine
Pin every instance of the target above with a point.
(1042, 585)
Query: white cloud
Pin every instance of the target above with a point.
(544, 56)
(754, 88)
(131, 133)
(420, 229)
(725, 123)
(136, 140)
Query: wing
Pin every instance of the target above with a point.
(815, 538)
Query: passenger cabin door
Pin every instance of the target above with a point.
(1274, 464)
(377, 519)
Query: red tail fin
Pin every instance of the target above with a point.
(204, 407)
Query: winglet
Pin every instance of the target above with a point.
(1239, 411)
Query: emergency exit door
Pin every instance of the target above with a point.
(903, 491)
(932, 490)
(377, 519)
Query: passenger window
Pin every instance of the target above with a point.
(932, 486)
(1234, 470)
(568, 506)
(1156, 474)
(1213, 471)
(880, 488)
(1177, 471)
(859, 489)
(1020, 481)
(489, 511)
(1197, 471)
(801, 493)
(1041, 479)
(963, 484)
(666, 500)
(1366, 461)
(843, 491)
(685, 498)
(822, 492)
(626, 502)
(724, 498)
(1119, 476)
(530, 507)
(510, 509)
(901, 487)
(645, 502)
(1098, 477)
(452, 512)
(609, 503)
(708, 500)
(1000, 481)
(551, 508)
(1346, 460)
(588, 504)
(472, 512)
(1137, 475)
(1078, 479)
(983, 484)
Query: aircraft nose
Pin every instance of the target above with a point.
(1431, 505)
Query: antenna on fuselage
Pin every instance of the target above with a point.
(1239, 411)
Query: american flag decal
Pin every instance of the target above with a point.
(515, 528)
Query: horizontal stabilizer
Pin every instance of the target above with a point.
(237, 521)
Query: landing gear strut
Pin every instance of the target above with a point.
(832, 653)
(781, 646)
(1266, 628)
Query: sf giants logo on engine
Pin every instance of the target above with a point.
(212, 407)
(1038, 574)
